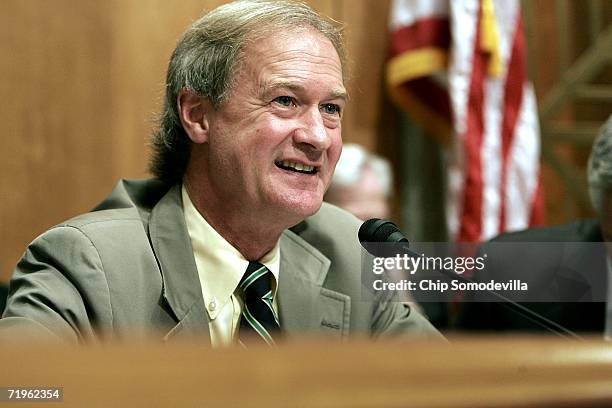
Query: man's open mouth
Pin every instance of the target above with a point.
(296, 167)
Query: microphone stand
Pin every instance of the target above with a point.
(525, 312)
(377, 230)
(507, 303)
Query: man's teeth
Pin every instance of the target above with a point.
(296, 166)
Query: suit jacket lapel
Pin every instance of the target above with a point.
(305, 306)
(174, 254)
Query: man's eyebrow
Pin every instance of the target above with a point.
(340, 94)
(270, 87)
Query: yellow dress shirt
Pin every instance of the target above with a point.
(220, 268)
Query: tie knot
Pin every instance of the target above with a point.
(257, 280)
(258, 314)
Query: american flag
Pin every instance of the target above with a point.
(459, 69)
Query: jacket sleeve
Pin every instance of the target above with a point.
(394, 318)
(58, 290)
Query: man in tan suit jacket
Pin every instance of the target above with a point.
(127, 269)
(248, 141)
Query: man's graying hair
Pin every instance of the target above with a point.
(600, 166)
(207, 58)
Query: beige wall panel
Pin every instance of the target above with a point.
(54, 81)
(366, 38)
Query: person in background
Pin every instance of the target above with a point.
(362, 183)
(567, 268)
(230, 242)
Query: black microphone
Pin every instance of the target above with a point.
(376, 230)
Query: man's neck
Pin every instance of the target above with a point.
(252, 244)
(248, 233)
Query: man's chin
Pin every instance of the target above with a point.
(298, 210)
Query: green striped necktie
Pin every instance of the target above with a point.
(259, 322)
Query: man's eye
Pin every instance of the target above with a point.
(284, 100)
(331, 109)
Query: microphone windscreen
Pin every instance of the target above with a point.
(377, 230)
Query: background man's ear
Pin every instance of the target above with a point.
(193, 113)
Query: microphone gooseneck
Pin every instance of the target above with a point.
(376, 230)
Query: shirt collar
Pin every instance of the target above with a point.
(220, 265)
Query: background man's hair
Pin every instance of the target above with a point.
(600, 166)
(353, 162)
(207, 58)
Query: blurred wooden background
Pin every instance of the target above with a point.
(82, 81)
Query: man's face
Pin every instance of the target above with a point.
(274, 142)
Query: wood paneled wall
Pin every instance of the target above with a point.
(81, 83)
(57, 150)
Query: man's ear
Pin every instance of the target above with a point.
(194, 112)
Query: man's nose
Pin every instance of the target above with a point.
(312, 130)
